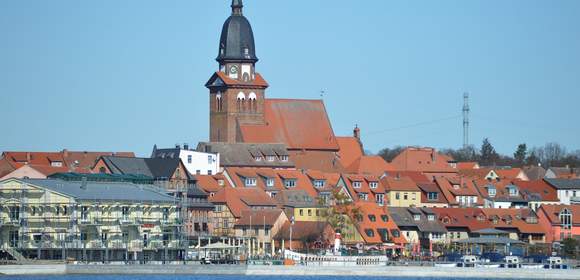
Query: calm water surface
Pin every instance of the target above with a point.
(201, 277)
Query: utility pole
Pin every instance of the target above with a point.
(466, 120)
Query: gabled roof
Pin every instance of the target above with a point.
(260, 218)
(295, 198)
(109, 191)
(553, 213)
(537, 190)
(325, 161)
(403, 217)
(303, 182)
(378, 226)
(535, 172)
(303, 230)
(244, 154)
(372, 165)
(220, 79)
(350, 150)
(209, 183)
(468, 165)
(468, 218)
(564, 184)
(152, 167)
(514, 219)
(399, 184)
(230, 198)
(72, 161)
(565, 172)
(422, 159)
(300, 124)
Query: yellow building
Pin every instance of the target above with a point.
(54, 219)
(402, 192)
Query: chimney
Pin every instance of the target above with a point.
(185, 146)
(177, 146)
(356, 132)
(65, 153)
(84, 183)
(28, 157)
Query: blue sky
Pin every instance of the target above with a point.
(124, 75)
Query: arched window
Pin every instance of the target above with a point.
(566, 218)
(241, 101)
(218, 101)
(252, 100)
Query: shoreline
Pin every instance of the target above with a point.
(260, 270)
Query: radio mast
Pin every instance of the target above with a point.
(465, 120)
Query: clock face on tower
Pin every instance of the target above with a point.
(234, 70)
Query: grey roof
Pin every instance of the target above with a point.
(490, 231)
(295, 198)
(403, 217)
(564, 184)
(152, 167)
(490, 240)
(237, 35)
(535, 172)
(243, 154)
(103, 190)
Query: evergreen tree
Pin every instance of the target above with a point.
(488, 154)
(520, 154)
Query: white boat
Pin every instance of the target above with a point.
(334, 260)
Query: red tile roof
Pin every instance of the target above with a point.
(471, 218)
(326, 161)
(400, 184)
(467, 165)
(372, 165)
(422, 159)
(230, 198)
(514, 219)
(258, 81)
(260, 217)
(300, 124)
(372, 209)
(553, 213)
(350, 150)
(209, 183)
(545, 190)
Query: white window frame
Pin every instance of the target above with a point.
(373, 185)
(357, 184)
(250, 182)
(290, 183)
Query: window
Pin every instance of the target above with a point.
(284, 158)
(14, 213)
(309, 212)
(209, 172)
(290, 183)
(372, 218)
(189, 159)
(267, 231)
(431, 217)
(56, 164)
(363, 196)
(250, 182)
(566, 219)
(102, 170)
(370, 232)
(165, 214)
(258, 158)
(414, 196)
(198, 172)
(405, 196)
(125, 212)
(356, 184)
(385, 218)
(64, 210)
(319, 183)
(432, 196)
(219, 102)
(270, 158)
(397, 195)
(437, 235)
(417, 217)
(513, 191)
(84, 213)
(226, 223)
(380, 198)
(395, 233)
(269, 182)
(210, 159)
(373, 185)
(301, 212)
(491, 192)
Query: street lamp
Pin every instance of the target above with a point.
(291, 224)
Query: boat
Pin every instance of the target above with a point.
(555, 263)
(330, 259)
(468, 261)
(511, 262)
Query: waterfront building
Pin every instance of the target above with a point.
(559, 221)
(89, 221)
(259, 228)
(402, 191)
(420, 227)
(195, 162)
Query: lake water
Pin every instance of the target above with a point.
(201, 277)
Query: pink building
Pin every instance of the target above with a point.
(560, 221)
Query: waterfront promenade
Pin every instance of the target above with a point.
(381, 271)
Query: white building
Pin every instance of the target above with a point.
(196, 163)
(568, 190)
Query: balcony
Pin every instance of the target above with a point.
(135, 246)
(171, 222)
(95, 244)
(128, 221)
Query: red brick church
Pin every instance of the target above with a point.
(240, 111)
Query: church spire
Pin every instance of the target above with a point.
(237, 7)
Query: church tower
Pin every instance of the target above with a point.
(237, 92)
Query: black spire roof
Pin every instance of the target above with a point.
(237, 39)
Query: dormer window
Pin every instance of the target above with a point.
(363, 196)
(385, 218)
(319, 183)
(258, 158)
(250, 182)
(56, 164)
(456, 186)
(431, 217)
(356, 184)
(220, 182)
(373, 185)
(372, 218)
(284, 158)
(417, 217)
(269, 182)
(270, 158)
(513, 190)
(290, 183)
(432, 196)
(370, 232)
(491, 191)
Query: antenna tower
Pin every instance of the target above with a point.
(465, 120)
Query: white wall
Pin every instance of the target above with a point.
(205, 163)
(565, 195)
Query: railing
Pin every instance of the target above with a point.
(135, 245)
(95, 244)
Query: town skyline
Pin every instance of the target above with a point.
(142, 80)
